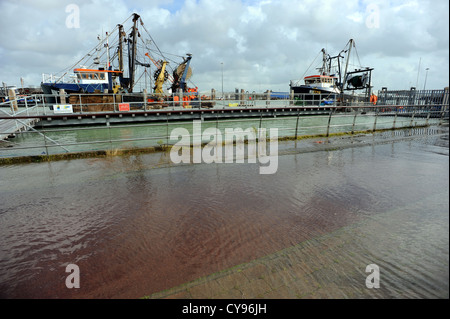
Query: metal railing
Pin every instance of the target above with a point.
(413, 97)
(99, 102)
(350, 119)
(291, 115)
(41, 104)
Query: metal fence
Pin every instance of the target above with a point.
(413, 97)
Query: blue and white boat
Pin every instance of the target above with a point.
(83, 80)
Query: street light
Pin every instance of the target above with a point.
(426, 74)
(222, 78)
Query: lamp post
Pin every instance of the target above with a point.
(222, 79)
(426, 74)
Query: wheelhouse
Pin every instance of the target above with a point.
(87, 76)
(320, 80)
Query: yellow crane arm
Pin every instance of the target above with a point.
(156, 63)
(160, 79)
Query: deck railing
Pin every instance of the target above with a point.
(97, 102)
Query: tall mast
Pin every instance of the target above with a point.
(120, 53)
(133, 52)
(346, 63)
(108, 63)
(324, 63)
(339, 67)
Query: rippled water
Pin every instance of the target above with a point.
(136, 225)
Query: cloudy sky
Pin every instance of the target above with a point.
(262, 44)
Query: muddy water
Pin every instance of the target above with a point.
(136, 225)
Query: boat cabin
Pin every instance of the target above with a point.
(320, 80)
(91, 76)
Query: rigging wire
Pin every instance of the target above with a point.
(309, 66)
(95, 49)
(97, 54)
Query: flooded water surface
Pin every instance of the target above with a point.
(138, 225)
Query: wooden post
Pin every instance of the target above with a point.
(62, 95)
(12, 99)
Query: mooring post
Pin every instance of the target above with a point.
(81, 105)
(12, 100)
(62, 96)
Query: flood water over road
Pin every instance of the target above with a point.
(137, 225)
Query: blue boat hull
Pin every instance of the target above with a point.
(47, 88)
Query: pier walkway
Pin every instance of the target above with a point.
(14, 120)
(14, 126)
(41, 111)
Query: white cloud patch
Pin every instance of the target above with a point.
(262, 44)
(357, 17)
(240, 40)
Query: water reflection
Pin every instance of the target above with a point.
(136, 225)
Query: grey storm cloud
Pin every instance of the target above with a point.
(259, 44)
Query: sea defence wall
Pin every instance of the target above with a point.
(58, 128)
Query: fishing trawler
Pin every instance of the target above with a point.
(104, 68)
(329, 85)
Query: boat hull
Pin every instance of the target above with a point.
(309, 95)
(47, 88)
